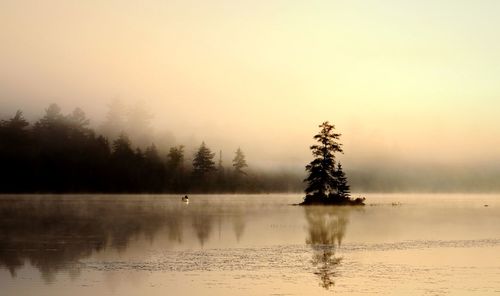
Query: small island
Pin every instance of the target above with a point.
(327, 183)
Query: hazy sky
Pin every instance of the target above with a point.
(412, 81)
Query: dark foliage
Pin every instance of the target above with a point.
(343, 188)
(176, 175)
(203, 162)
(204, 169)
(326, 182)
(61, 153)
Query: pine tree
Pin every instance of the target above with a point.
(151, 154)
(16, 123)
(78, 125)
(322, 179)
(203, 163)
(239, 162)
(343, 188)
(122, 147)
(175, 158)
(175, 166)
(52, 126)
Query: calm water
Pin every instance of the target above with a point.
(248, 245)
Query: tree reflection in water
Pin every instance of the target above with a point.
(238, 221)
(326, 230)
(54, 234)
(202, 224)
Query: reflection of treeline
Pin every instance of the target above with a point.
(61, 153)
(55, 234)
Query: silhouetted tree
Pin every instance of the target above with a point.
(151, 154)
(327, 183)
(78, 122)
(98, 158)
(16, 154)
(125, 165)
(203, 163)
(52, 116)
(13, 133)
(52, 136)
(51, 128)
(343, 188)
(154, 170)
(175, 169)
(122, 147)
(62, 153)
(15, 124)
(175, 158)
(239, 162)
(322, 179)
(203, 170)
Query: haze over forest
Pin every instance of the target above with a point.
(416, 103)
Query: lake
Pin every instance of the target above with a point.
(399, 244)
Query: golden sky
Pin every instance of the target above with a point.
(407, 80)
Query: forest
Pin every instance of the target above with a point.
(65, 153)
(61, 153)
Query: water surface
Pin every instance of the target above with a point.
(410, 244)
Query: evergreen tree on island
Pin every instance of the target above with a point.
(343, 188)
(326, 182)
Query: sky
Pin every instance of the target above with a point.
(405, 82)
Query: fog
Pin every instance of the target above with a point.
(411, 86)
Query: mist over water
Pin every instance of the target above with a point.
(172, 147)
(248, 244)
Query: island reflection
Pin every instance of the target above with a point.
(326, 229)
(57, 235)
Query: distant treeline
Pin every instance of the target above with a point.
(61, 153)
